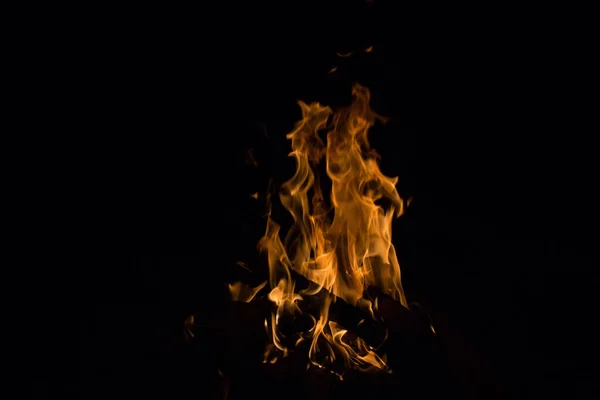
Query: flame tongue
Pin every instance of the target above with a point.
(342, 255)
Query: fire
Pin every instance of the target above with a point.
(341, 243)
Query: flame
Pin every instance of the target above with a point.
(342, 245)
(188, 327)
(225, 384)
(251, 158)
(244, 293)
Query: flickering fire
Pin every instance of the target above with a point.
(341, 243)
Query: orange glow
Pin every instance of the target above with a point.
(244, 293)
(342, 244)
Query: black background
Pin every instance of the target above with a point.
(495, 244)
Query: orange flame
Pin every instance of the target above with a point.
(342, 248)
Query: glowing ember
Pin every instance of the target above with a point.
(342, 245)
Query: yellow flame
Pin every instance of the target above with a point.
(244, 293)
(343, 245)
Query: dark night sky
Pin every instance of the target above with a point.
(495, 240)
